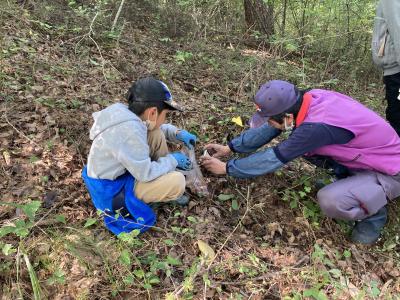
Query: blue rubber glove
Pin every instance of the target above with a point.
(184, 162)
(187, 138)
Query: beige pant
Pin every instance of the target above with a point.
(167, 187)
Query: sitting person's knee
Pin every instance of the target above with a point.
(178, 183)
(155, 135)
(327, 201)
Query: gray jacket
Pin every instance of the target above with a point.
(386, 37)
(120, 145)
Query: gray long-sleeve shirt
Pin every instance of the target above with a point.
(120, 145)
(386, 37)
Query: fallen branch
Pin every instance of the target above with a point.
(89, 35)
(117, 15)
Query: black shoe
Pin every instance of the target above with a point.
(181, 201)
(367, 231)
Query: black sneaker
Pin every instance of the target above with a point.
(181, 201)
(367, 231)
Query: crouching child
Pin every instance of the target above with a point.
(129, 164)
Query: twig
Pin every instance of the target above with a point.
(178, 292)
(244, 281)
(199, 270)
(117, 15)
(328, 61)
(42, 222)
(120, 33)
(203, 88)
(234, 229)
(89, 35)
(103, 61)
(91, 23)
(296, 266)
(76, 144)
(18, 263)
(205, 291)
(303, 65)
(18, 131)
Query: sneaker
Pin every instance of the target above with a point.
(367, 231)
(182, 200)
(155, 205)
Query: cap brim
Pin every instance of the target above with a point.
(257, 120)
(173, 105)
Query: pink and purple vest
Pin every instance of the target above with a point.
(375, 146)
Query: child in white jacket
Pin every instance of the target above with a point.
(132, 140)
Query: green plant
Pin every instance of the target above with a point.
(150, 267)
(37, 292)
(299, 195)
(182, 56)
(33, 159)
(315, 293)
(323, 277)
(225, 197)
(190, 275)
(58, 277)
(146, 268)
(21, 227)
(252, 266)
(211, 61)
(372, 289)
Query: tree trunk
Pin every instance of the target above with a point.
(284, 18)
(259, 16)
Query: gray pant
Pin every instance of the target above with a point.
(358, 196)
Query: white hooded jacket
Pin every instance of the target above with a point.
(120, 144)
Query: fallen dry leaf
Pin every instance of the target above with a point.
(207, 252)
(7, 157)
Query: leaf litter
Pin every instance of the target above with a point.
(44, 143)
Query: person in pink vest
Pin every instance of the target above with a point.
(331, 130)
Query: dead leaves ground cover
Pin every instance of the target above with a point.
(52, 79)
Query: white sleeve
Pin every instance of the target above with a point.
(170, 132)
(133, 153)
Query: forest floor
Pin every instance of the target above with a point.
(268, 235)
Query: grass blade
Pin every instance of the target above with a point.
(35, 282)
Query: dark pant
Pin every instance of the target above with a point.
(392, 83)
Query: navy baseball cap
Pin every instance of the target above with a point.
(152, 90)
